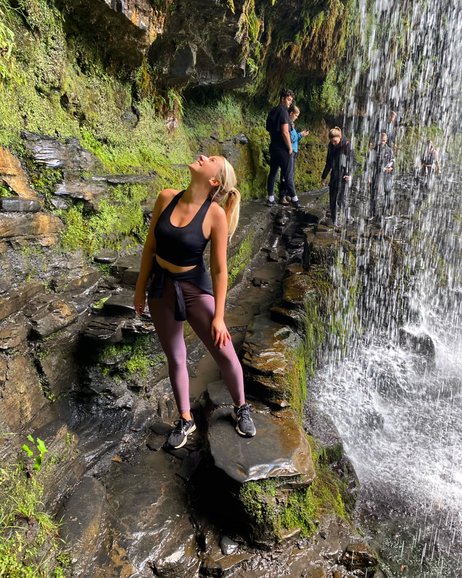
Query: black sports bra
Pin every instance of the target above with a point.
(181, 246)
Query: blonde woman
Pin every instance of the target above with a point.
(339, 162)
(179, 288)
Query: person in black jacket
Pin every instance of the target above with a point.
(339, 163)
(383, 164)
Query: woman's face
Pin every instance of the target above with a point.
(334, 140)
(293, 116)
(207, 167)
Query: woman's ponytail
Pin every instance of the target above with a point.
(228, 195)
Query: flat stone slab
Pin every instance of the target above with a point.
(149, 512)
(28, 225)
(15, 205)
(280, 448)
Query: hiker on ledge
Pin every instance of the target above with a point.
(339, 163)
(278, 124)
(179, 288)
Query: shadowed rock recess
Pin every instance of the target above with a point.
(80, 371)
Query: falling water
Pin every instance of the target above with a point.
(398, 408)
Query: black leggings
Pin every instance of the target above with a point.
(281, 159)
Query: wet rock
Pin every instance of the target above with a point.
(216, 564)
(296, 290)
(126, 269)
(48, 314)
(106, 256)
(156, 505)
(219, 393)
(53, 153)
(106, 329)
(120, 304)
(82, 521)
(288, 316)
(280, 447)
(79, 279)
(126, 29)
(81, 189)
(28, 225)
(359, 556)
(15, 205)
(269, 359)
(13, 331)
(20, 390)
(15, 299)
(56, 355)
(228, 546)
(420, 343)
(321, 246)
(12, 173)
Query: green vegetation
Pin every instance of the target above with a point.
(36, 450)
(118, 218)
(134, 360)
(273, 510)
(240, 259)
(29, 542)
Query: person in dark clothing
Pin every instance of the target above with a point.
(295, 137)
(383, 163)
(278, 125)
(339, 163)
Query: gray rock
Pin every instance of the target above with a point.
(120, 304)
(53, 153)
(228, 546)
(280, 447)
(82, 521)
(359, 556)
(49, 314)
(219, 393)
(147, 495)
(13, 331)
(16, 205)
(106, 256)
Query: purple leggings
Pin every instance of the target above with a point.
(200, 308)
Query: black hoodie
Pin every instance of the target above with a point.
(340, 160)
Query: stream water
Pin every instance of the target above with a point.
(394, 390)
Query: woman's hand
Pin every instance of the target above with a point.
(220, 333)
(139, 301)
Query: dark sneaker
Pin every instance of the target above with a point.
(283, 201)
(244, 426)
(296, 204)
(179, 435)
(270, 203)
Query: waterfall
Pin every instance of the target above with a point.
(395, 391)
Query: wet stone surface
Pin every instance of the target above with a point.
(280, 447)
(148, 511)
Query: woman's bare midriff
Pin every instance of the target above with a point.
(171, 267)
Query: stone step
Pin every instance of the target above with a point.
(280, 448)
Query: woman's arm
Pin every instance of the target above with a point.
(149, 250)
(219, 273)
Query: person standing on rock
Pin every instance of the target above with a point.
(383, 166)
(179, 288)
(339, 163)
(278, 125)
(295, 137)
